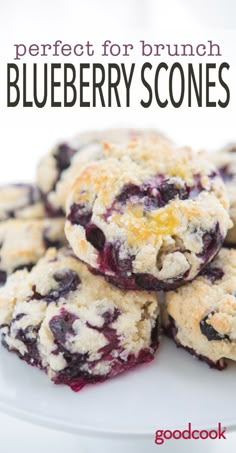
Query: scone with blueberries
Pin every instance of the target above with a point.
(75, 326)
(57, 169)
(20, 201)
(150, 216)
(201, 316)
(225, 161)
(23, 242)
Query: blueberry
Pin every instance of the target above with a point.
(146, 281)
(169, 191)
(18, 317)
(110, 260)
(129, 191)
(3, 277)
(152, 202)
(29, 337)
(212, 241)
(111, 316)
(225, 173)
(79, 215)
(67, 279)
(63, 156)
(209, 331)
(61, 326)
(109, 332)
(171, 331)
(95, 236)
(155, 333)
(212, 273)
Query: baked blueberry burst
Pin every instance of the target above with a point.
(74, 325)
(149, 217)
(201, 317)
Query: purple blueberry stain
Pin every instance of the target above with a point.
(29, 336)
(74, 374)
(155, 193)
(62, 326)
(109, 333)
(67, 279)
(213, 273)
(79, 214)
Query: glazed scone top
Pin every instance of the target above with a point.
(61, 165)
(152, 197)
(20, 201)
(205, 310)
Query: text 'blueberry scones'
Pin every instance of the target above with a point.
(74, 325)
(151, 216)
(61, 165)
(201, 316)
(23, 242)
(225, 161)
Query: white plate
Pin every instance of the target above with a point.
(167, 393)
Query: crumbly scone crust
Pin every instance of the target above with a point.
(55, 182)
(24, 241)
(108, 325)
(204, 312)
(154, 237)
(20, 201)
(225, 160)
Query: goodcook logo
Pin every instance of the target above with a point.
(189, 433)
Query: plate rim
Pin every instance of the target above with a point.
(86, 430)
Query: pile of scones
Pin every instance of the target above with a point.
(124, 236)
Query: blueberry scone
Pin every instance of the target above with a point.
(225, 160)
(152, 216)
(75, 326)
(23, 242)
(201, 317)
(61, 165)
(20, 201)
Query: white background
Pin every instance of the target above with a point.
(28, 133)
